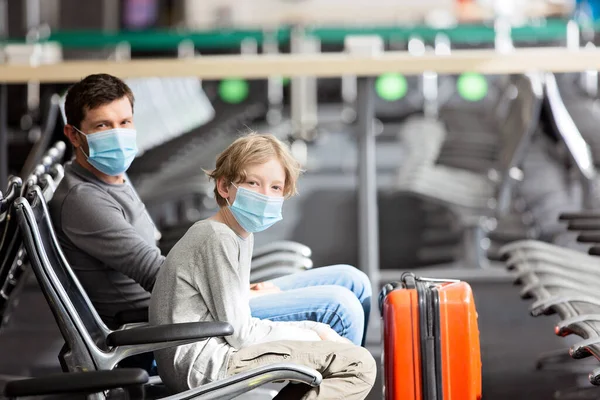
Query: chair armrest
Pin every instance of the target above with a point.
(589, 237)
(594, 251)
(132, 316)
(277, 259)
(579, 215)
(243, 382)
(584, 225)
(274, 272)
(79, 382)
(169, 333)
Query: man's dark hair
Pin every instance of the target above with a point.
(91, 92)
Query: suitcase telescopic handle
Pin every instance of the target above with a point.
(409, 280)
(384, 292)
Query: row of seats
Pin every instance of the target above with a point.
(563, 280)
(13, 258)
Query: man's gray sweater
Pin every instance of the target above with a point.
(206, 278)
(108, 238)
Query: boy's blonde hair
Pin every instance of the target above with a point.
(249, 149)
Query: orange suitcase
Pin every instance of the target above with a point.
(430, 340)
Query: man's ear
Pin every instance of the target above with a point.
(223, 187)
(73, 136)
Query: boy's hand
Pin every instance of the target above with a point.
(331, 335)
(263, 288)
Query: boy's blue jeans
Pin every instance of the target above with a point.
(338, 295)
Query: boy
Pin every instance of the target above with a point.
(206, 278)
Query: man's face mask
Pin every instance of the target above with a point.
(112, 151)
(255, 212)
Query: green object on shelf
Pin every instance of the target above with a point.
(391, 86)
(233, 90)
(472, 86)
(548, 30)
(159, 39)
(553, 29)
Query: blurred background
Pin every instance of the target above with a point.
(428, 172)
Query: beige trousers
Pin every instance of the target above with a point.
(348, 370)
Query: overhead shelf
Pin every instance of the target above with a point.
(317, 65)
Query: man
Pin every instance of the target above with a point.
(108, 236)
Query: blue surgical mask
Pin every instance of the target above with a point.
(112, 151)
(255, 212)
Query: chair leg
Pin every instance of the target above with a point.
(475, 245)
(559, 360)
(554, 357)
(578, 393)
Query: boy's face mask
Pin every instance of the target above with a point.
(255, 212)
(111, 151)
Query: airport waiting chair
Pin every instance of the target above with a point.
(168, 108)
(49, 111)
(8, 227)
(471, 141)
(91, 345)
(279, 258)
(173, 167)
(13, 258)
(583, 108)
(550, 284)
(547, 189)
(116, 384)
(577, 304)
(478, 201)
(551, 276)
(578, 149)
(468, 190)
(79, 385)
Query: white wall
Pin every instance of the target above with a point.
(203, 13)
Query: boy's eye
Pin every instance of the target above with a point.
(277, 188)
(252, 183)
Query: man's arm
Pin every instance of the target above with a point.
(94, 224)
(227, 296)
